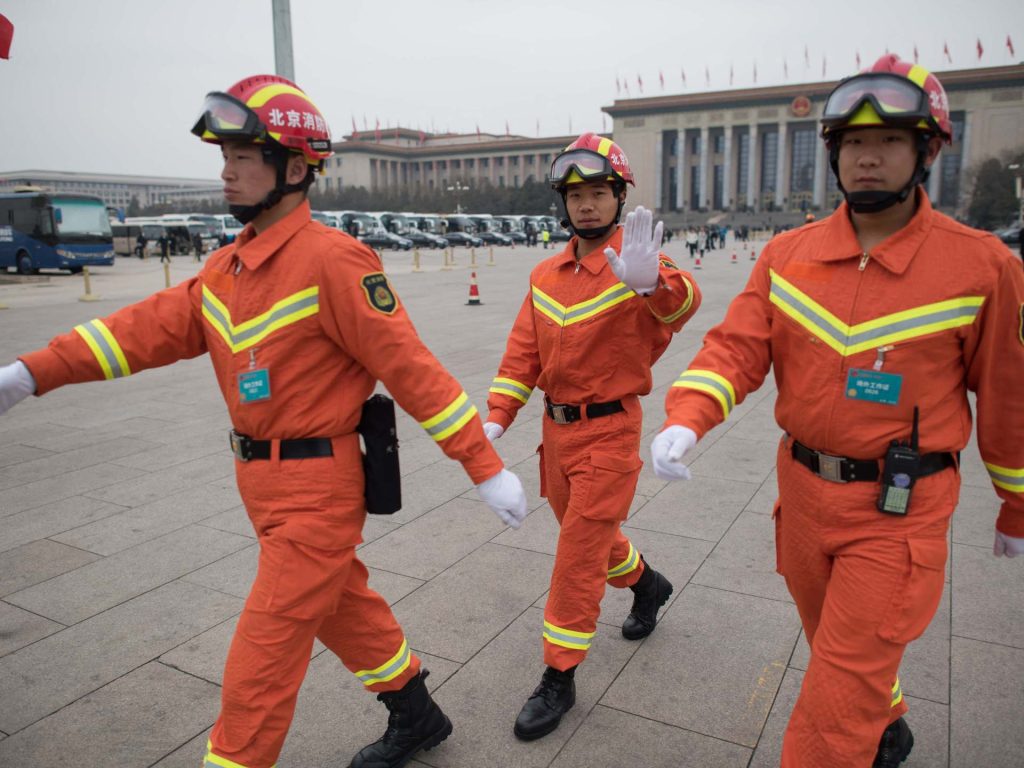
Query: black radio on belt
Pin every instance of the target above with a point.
(901, 468)
(380, 457)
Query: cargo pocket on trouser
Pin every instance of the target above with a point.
(777, 517)
(916, 597)
(543, 470)
(605, 488)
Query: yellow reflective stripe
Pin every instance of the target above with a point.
(567, 638)
(240, 337)
(105, 349)
(511, 387)
(1006, 478)
(221, 762)
(897, 694)
(451, 419)
(390, 669)
(682, 310)
(917, 75)
(604, 146)
(584, 310)
(263, 95)
(628, 565)
(899, 326)
(711, 383)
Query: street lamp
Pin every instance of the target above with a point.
(458, 188)
(1018, 188)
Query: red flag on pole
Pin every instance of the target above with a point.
(707, 76)
(618, 86)
(625, 85)
(376, 131)
(945, 50)
(423, 138)
(755, 72)
(355, 131)
(807, 57)
(980, 49)
(396, 133)
(538, 126)
(661, 79)
(858, 61)
(823, 63)
(506, 127)
(682, 71)
(915, 53)
(639, 83)
(785, 69)
(6, 35)
(1009, 44)
(478, 130)
(730, 74)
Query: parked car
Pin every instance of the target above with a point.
(493, 238)
(382, 239)
(1009, 235)
(425, 239)
(461, 238)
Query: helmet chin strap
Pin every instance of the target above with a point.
(589, 233)
(246, 213)
(874, 201)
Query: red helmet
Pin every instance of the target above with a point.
(590, 158)
(891, 92)
(265, 107)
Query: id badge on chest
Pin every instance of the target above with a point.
(873, 386)
(254, 384)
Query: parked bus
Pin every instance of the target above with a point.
(126, 238)
(45, 230)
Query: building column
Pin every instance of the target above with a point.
(821, 171)
(965, 153)
(753, 170)
(935, 181)
(727, 191)
(680, 168)
(659, 163)
(704, 155)
(781, 167)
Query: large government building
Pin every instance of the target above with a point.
(116, 189)
(753, 149)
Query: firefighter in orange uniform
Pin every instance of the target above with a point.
(300, 324)
(877, 321)
(597, 316)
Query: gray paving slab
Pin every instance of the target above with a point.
(98, 586)
(38, 561)
(19, 454)
(80, 482)
(154, 486)
(735, 458)
(987, 593)
(19, 628)
(234, 520)
(52, 519)
(135, 720)
(986, 705)
(61, 668)
(719, 658)
(701, 510)
(599, 742)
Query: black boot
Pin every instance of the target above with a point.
(415, 722)
(543, 711)
(894, 746)
(650, 592)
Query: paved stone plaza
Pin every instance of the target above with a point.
(125, 558)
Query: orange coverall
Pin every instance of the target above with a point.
(937, 303)
(582, 336)
(309, 305)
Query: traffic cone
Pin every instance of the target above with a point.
(474, 292)
(696, 264)
(734, 257)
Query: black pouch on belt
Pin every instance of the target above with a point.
(380, 457)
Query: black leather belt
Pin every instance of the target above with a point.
(838, 469)
(245, 448)
(567, 414)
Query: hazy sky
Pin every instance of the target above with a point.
(115, 85)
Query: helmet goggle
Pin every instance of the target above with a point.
(224, 116)
(588, 165)
(895, 99)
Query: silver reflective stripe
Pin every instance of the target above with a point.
(549, 306)
(503, 385)
(451, 420)
(279, 314)
(392, 669)
(716, 385)
(910, 323)
(559, 638)
(589, 306)
(820, 322)
(108, 353)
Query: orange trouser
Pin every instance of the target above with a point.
(302, 592)
(866, 584)
(589, 471)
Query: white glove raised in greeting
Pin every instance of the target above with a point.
(637, 263)
(668, 449)
(1011, 546)
(493, 431)
(504, 494)
(16, 383)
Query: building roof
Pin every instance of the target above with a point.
(107, 178)
(445, 144)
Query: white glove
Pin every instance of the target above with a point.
(503, 493)
(668, 449)
(1011, 546)
(16, 383)
(637, 266)
(493, 431)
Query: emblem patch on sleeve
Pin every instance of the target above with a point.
(379, 294)
(666, 262)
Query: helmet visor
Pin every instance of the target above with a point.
(589, 165)
(895, 99)
(224, 116)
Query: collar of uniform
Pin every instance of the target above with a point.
(594, 261)
(253, 249)
(894, 253)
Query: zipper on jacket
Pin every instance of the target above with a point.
(864, 261)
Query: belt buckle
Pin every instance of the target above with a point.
(558, 414)
(830, 468)
(240, 445)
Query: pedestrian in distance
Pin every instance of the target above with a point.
(300, 324)
(140, 245)
(877, 320)
(592, 375)
(197, 246)
(545, 236)
(165, 248)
